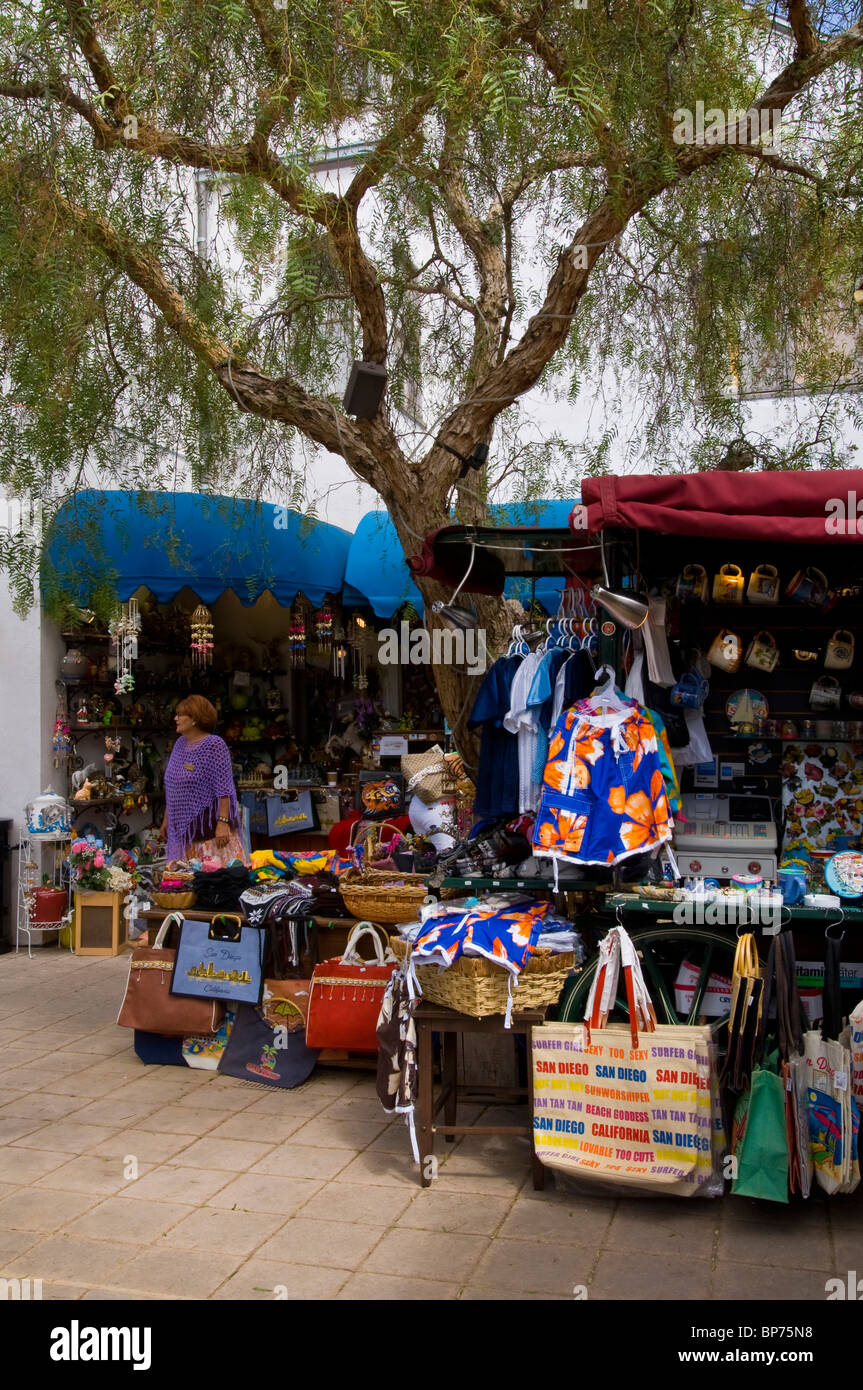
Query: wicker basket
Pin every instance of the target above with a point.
(381, 895)
(474, 986)
(173, 902)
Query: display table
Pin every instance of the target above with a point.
(433, 1018)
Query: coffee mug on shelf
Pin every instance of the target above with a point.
(726, 651)
(763, 585)
(728, 585)
(792, 886)
(826, 693)
(808, 586)
(840, 650)
(763, 652)
(692, 584)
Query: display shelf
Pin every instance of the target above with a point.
(505, 883)
(779, 738)
(656, 907)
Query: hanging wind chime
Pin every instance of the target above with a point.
(359, 640)
(201, 645)
(297, 635)
(340, 652)
(324, 627)
(124, 630)
(61, 743)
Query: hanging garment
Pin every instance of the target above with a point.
(656, 644)
(397, 1051)
(634, 687)
(522, 719)
(497, 774)
(672, 785)
(574, 681)
(603, 797)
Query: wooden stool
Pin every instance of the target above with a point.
(433, 1018)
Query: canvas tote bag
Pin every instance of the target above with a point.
(149, 1005)
(637, 1105)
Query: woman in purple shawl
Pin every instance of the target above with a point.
(201, 817)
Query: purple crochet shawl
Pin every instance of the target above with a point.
(196, 778)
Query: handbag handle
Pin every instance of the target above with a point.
(369, 826)
(232, 931)
(351, 956)
(616, 949)
(172, 919)
(746, 960)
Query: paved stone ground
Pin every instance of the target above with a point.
(240, 1191)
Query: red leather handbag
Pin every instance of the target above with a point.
(346, 996)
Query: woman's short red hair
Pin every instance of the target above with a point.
(199, 709)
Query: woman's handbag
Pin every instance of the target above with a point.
(728, 585)
(221, 959)
(148, 1003)
(428, 774)
(692, 585)
(840, 650)
(346, 996)
(763, 585)
(726, 651)
(630, 1068)
(690, 691)
(763, 652)
(268, 1042)
(826, 693)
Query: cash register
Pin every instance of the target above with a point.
(724, 834)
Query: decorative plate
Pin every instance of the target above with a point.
(746, 706)
(844, 873)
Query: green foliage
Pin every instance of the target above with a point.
(738, 261)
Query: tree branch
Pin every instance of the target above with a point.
(802, 29)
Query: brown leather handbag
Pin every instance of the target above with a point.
(149, 1004)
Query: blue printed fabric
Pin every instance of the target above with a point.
(506, 935)
(603, 796)
(497, 774)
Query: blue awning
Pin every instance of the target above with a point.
(166, 541)
(377, 575)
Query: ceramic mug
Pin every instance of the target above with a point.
(792, 886)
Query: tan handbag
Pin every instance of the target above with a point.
(763, 652)
(763, 585)
(728, 585)
(149, 1004)
(840, 650)
(726, 652)
(427, 774)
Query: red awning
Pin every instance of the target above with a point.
(783, 506)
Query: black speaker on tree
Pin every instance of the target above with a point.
(366, 385)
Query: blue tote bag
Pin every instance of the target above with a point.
(221, 959)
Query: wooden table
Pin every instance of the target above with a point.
(433, 1018)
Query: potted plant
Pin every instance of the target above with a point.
(101, 881)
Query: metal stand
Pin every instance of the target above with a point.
(29, 877)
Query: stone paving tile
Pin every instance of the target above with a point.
(191, 1186)
(763, 1243)
(67, 1137)
(123, 1296)
(387, 1288)
(291, 1160)
(208, 1097)
(443, 1256)
(138, 1223)
(380, 1170)
(468, 1214)
(237, 1232)
(762, 1283)
(13, 1127)
(71, 1259)
(848, 1248)
(534, 1267)
(639, 1275)
(41, 1105)
(32, 1209)
(116, 1110)
(267, 1193)
(265, 1128)
(468, 1171)
(688, 1229)
(367, 1206)
(62, 1293)
(162, 1271)
(574, 1224)
(474, 1293)
(339, 1133)
(27, 1165)
(147, 1147)
(258, 1278)
(177, 1119)
(89, 1174)
(12, 1243)
(337, 1244)
(232, 1155)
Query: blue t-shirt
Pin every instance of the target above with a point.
(497, 775)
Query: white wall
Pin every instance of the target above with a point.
(21, 722)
